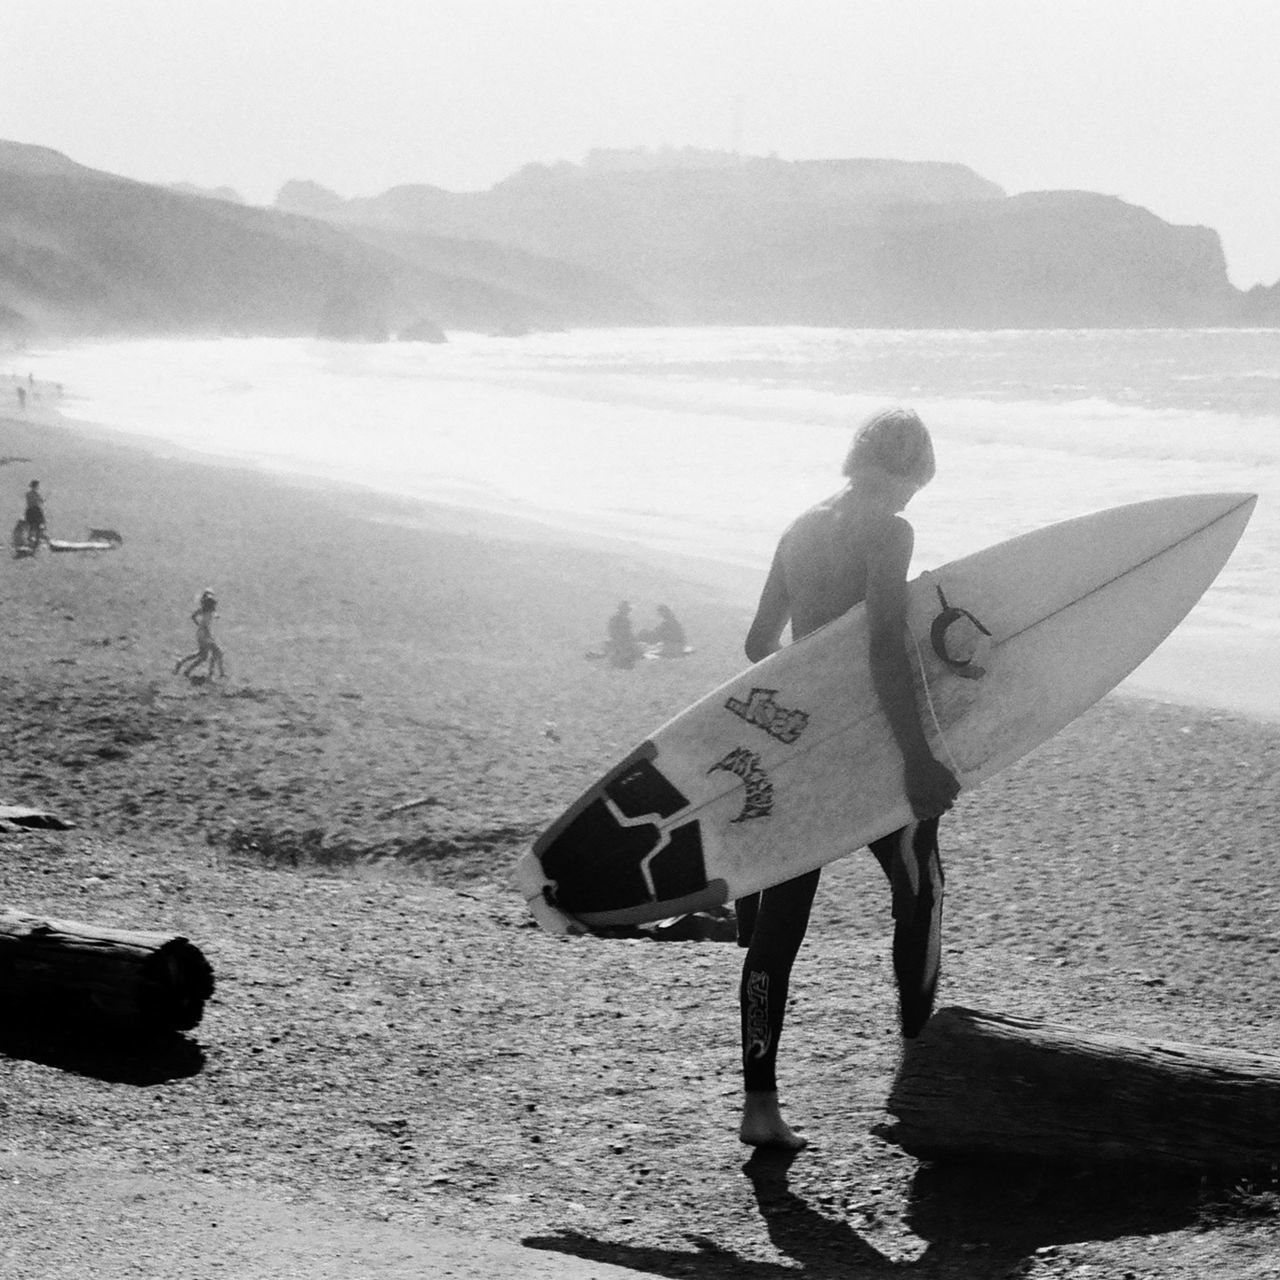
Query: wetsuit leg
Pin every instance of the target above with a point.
(911, 861)
(780, 919)
(744, 910)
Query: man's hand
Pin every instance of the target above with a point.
(931, 787)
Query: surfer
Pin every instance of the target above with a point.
(207, 648)
(852, 547)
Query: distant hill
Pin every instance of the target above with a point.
(19, 157)
(626, 238)
(211, 193)
(1040, 260)
(88, 253)
(1261, 306)
(839, 242)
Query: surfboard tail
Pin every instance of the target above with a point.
(532, 883)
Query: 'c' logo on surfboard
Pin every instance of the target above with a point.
(746, 765)
(759, 708)
(961, 651)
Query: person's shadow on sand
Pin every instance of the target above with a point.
(823, 1246)
(978, 1221)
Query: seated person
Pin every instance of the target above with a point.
(621, 645)
(668, 635)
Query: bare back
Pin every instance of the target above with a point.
(824, 558)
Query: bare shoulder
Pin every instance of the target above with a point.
(889, 539)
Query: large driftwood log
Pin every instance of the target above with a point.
(59, 970)
(979, 1085)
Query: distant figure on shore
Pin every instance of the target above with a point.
(34, 516)
(668, 637)
(620, 646)
(623, 648)
(207, 649)
(22, 398)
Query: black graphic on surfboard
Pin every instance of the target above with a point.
(610, 854)
(746, 765)
(760, 709)
(960, 652)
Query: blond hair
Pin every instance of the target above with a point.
(896, 441)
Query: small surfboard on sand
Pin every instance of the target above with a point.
(18, 817)
(792, 764)
(95, 544)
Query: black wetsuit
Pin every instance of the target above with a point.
(772, 925)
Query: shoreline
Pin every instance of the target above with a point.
(738, 584)
(1192, 667)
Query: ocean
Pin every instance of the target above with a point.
(707, 441)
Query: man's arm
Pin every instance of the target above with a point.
(931, 786)
(772, 614)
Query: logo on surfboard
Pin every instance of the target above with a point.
(760, 709)
(961, 651)
(746, 765)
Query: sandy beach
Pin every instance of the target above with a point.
(398, 1075)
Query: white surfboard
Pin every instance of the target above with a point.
(792, 764)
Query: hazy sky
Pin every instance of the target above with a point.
(1170, 104)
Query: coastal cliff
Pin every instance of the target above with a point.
(626, 238)
(873, 243)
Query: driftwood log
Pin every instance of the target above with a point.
(62, 971)
(983, 1086)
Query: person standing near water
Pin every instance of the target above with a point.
(853, 547)
(207, 648)
(35, 515)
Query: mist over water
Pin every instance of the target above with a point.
(708, 441)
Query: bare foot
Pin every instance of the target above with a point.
(763, 1125)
